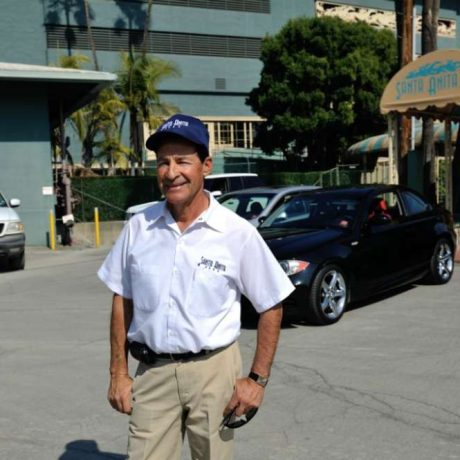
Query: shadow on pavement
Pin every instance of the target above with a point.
(379, 297)
(87, 449)
(249, 318)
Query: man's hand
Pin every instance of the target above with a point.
(119, 394)
(246, 395)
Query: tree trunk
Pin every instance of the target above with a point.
(136, 148)
(429, 43)
(148, 16)
(404, 33)
(90, 34)
(456, 177)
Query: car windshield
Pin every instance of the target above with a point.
(247, 205)
(313, 211)
(3, 203)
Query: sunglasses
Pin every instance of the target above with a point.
(231, 420)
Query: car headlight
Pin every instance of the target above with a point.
(14, 227)
(291, 267)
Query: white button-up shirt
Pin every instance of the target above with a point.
(186, 287)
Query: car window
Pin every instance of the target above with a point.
(314, 210)
(235, 183)
(245, 205)
(215, 184)
(256, 205)
(251, 181)
(414, 204)
(3, 203)
(384, 208)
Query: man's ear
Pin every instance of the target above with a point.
(207, 166)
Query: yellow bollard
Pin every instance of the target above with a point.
(52, 231)
(97, 232)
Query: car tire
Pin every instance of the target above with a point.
(441, 263)
(18, 263)
(329, 295)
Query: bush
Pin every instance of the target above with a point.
(111, 195)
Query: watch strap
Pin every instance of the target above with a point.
(262, 381)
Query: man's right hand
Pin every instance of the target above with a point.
(119, 394)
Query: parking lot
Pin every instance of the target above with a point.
(382, 384)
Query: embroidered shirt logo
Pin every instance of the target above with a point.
(213, 265)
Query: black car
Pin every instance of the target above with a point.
(342, 244)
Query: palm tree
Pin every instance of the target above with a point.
(148, 15)
(90, 33)
(101, 116)
(137, 86)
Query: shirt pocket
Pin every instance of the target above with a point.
(209, 294)
(146, 285)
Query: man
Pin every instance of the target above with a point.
(177, 272)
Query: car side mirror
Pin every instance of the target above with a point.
(15, 202)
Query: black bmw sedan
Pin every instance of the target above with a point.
(342, 244)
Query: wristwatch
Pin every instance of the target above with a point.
(262, 381)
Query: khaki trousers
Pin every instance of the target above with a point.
(171, 399)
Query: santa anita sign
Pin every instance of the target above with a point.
(427, 87)
(431, 80)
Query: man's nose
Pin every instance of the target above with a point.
(172, 170)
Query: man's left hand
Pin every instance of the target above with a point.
(246, 395)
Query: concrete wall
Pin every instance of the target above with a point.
(83, 233)
(25, 157)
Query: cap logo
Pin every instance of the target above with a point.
(174, 124)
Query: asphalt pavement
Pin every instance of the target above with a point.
(382, 384)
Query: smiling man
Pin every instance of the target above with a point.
(177, 273)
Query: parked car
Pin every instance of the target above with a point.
(12, 236)
(255, 204)
(343, 244)
(217, 184)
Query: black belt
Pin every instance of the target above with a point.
(145, 355)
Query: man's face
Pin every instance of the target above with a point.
(180, 171)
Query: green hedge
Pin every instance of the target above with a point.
(111, 195)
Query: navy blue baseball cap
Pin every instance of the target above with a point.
(184, 126)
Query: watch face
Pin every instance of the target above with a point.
(258, 379)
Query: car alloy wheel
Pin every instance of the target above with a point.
(329, 295)
(442, 263)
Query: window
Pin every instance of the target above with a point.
(3, 203)
(384, 207)
(414, 204)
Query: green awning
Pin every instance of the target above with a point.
(379, 144)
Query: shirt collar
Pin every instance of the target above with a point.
(212, 216)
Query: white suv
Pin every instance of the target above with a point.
(218, 184)
(12, 236)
